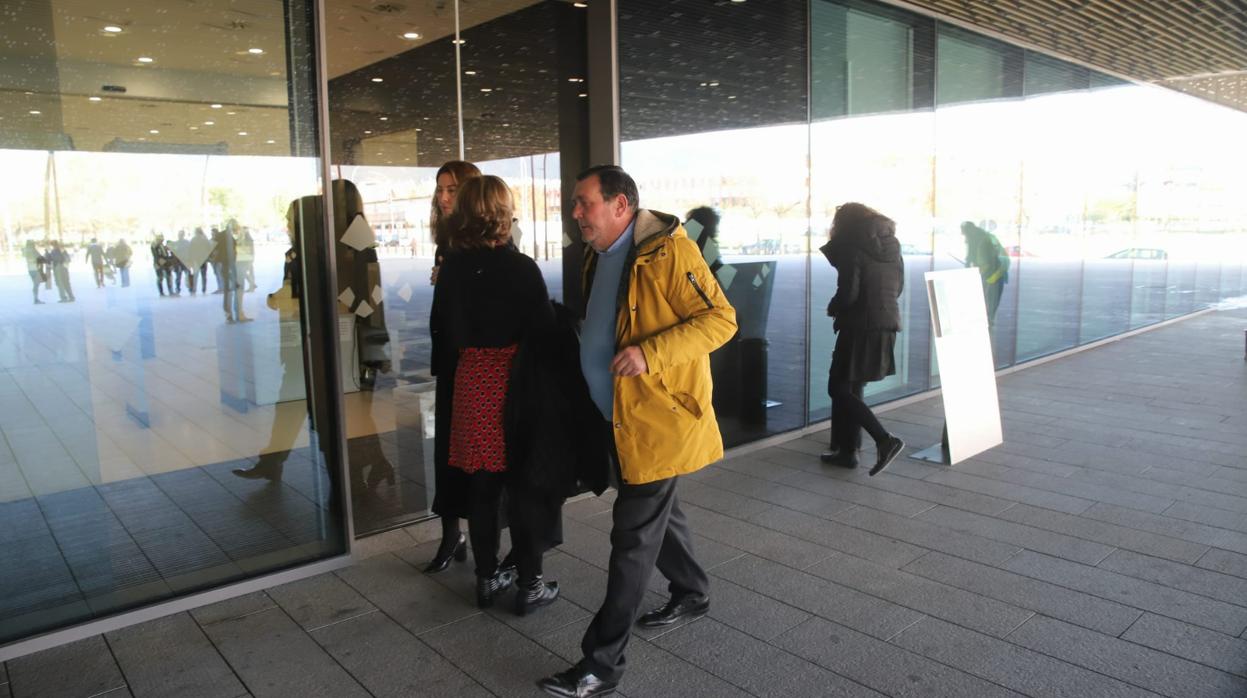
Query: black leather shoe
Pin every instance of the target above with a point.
(442, 560)
(888, 450)
(687, 606)
(489, 588)
(260, 471)
(530, 597)
(576, 682)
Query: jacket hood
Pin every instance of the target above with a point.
(650, 224)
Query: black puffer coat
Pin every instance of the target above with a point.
(871, 273)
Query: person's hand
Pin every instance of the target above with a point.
(630, 361)
(433, 275)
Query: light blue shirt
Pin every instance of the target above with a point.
(597, 336)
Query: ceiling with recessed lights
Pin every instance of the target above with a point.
(687, 65)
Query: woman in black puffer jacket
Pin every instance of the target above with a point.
(867, 257)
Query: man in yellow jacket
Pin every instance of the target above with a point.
(653, 314)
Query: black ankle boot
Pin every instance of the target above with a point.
(489, 588)
(456, 548)
(533, 595)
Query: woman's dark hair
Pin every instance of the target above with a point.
(482, 215)
(460, 171)
(854, 222)
(709, 219)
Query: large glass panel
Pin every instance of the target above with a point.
(713, 112)
(869, 144)
(395, 110)
(158, 181)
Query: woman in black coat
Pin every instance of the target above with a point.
(871, 276)
(488, 299)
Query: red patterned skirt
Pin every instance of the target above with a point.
(476, 432)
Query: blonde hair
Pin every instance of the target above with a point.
(482, 215)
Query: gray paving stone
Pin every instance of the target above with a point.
(1154, 523)
(319, 601)
(928, 536)
(857, 494)
(720, 500)
(229, 609)
(936, 493)
(171, 656)
(1001, 662)
(932, 598)
(1140, 666)
(882, 665)
(1232, 540)
(777, 494)
(1049, 599)
(405, 594)
(751, 612)
(1222, 587)
(757, 667)
(1016, 493)
(1190, 642)
(82, 668)
(1065, 485)
(1106, 533)
(1029, 537)
(389, 661)
(1137, 593)
(812, 594)
(759, 540)
(1208, 516)
(1224, 561)
(502, 660)
(274, 657)
(839, 537)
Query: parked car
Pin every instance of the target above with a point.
(1139, 253)
(1017, 251)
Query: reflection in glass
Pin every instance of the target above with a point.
(125, 408)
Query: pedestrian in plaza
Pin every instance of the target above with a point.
(214, 258)
(487, 300)
(653, 314)
(454, 545)
(95, 255)
(162, 263)
(863, 248)
(231, 281)
(122, 255)
(246, 259)
(984, 251)
(59, 259)
(199, 276)
(34, 262)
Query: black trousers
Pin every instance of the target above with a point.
(484, 526)
(648, 528)
(849, 414)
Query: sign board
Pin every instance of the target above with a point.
(963, 350)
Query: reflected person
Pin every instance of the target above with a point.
(708, 238)
(95, 255)
(199, 276)
(122, 257)
(59, 259)
(34, 262)
(870, 277)
(162, 263)
(230, 280)
(983, 250)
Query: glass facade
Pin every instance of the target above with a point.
(161, 270)
(186, 401)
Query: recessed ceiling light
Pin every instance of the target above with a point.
(739, 2)
(575, 79)
(385, 118)
(36, 112)
(378, 79)
(194, 128)
(216, 106)
(419, 130)
(487, 89)
(209, 123)
(580, 4)
(459, 41)
(367, 132)
(582, 94)
(142, 138)
(242, 133)
(731, 96)
(255, 51)
(469, 72)
(146, 59)
(411, 36)
(230, 113)
(270, 141)
(714, 84)
(113, 29)
(153, 131)
(95, 99)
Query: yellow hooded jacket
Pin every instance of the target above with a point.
(672, 308)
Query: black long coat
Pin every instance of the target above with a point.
(870, 279)
(483, 298)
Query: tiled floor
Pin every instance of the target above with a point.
(1101, 551)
